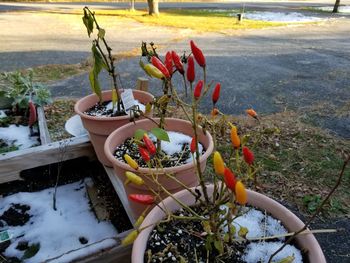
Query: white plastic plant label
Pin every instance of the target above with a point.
(4, 236)
(128, 99)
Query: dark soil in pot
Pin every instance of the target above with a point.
(177, 159)
(102, 110)
(177, 239)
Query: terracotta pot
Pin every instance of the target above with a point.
(307, 242)
(184, 173)
(100, 127)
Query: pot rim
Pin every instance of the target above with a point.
(156, 212)
(77, 106)
(142, 170)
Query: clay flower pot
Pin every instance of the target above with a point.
(100, 127)
(307, 242)
(185, 173)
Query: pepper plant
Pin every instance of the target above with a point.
(229, 186)
(229, 177)
(102, 59)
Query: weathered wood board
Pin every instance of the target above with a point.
(12, 163)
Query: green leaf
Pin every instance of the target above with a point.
(95, 85)
(139, 134)
(160, 134)
(101, 33)
(98, 60)
(31, 251)
(219, 246)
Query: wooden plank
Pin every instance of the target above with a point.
(119, 253)
(119, 188)
(12, 163)
(142, 84)
(43, 130)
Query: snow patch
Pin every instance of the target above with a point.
(58, 231)
(177, 140)
(261, 252)
(258, 224)
(341, 9)
(19, 136)
(281, 17)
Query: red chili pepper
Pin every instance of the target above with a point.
(248, 155)
(144, 154)
(32, 114)
(198, 54)
(149, 144)
(193, 145)
(216, 93)
(198, 89)
(177, 62)
(159, 65)
(190, 69)
(230, 179)
(142, 199)
(169, 62)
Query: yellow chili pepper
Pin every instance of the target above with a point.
(131, 162)
(219, 165)
(133, 178)
(148, 108)
(130, 238)
(241, 193)
(153, 71)
(235, 140)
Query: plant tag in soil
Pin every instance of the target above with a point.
(4, 236)
(128, 99)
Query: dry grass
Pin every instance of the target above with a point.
(56, 115)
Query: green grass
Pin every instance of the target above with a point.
(199, 20)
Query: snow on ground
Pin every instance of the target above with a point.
(280, 17)
(19, 135)
(261, 252)
(342, 9)
(177, 140)
(58, 231)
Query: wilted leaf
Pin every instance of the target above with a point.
(101, 33)
(243, 231)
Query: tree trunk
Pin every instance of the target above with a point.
(153, 7)
(132, 5)
(336, 6)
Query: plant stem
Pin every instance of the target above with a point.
(290, 239)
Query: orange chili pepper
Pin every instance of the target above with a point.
(252, 113)
(235, 140)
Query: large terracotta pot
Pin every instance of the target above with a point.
(100, 127)
(185, 173)
(307, 242)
